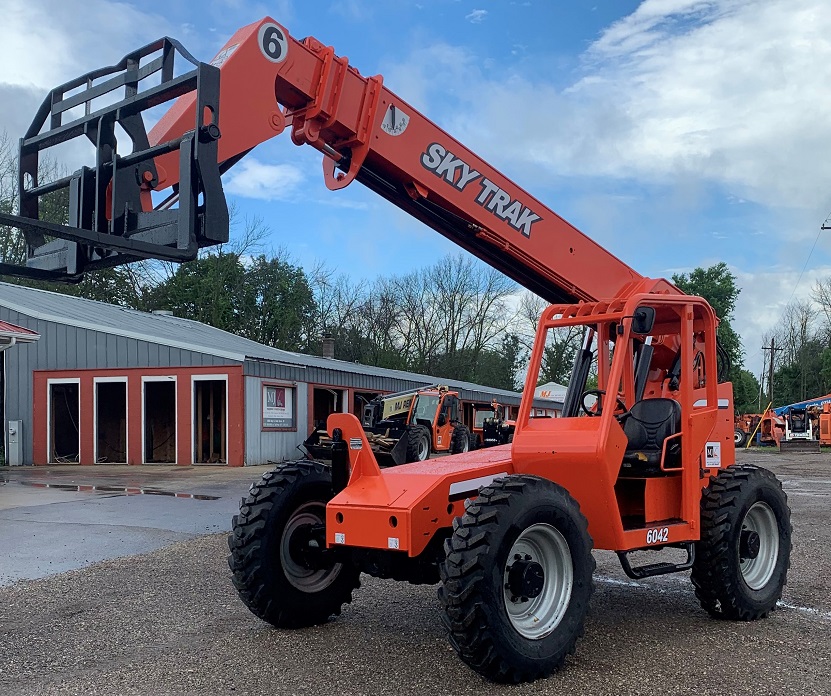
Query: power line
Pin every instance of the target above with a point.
(825, 226)
(772, 350)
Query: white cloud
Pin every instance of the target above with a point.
(415, 80)
(46, 43)
(269, 182)
(477, 16)
(652, 22)
(730, 92)
(354, 10)
(761, 304)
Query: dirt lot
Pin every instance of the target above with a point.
(169, 622)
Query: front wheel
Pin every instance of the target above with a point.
(282, 571)
(459, 440)
(742, 560)
(418, 443)
(517, 579)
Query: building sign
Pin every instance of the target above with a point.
(713, 455)
(278, 406)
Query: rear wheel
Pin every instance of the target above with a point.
(459, 440)
(282, 571)
(418, 443)
(517, 579)
(742, 560)
(739, 437)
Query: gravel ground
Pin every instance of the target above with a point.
(169, 622)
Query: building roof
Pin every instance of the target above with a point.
(187, 334)
(9, 333)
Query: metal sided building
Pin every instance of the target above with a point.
(105, 384)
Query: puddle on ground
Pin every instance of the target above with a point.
(125, 490)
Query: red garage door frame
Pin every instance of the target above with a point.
(184, 410)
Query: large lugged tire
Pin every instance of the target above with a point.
(742, 560)
(459, 439)
(418, 443)
(273, 577)
(517, 579)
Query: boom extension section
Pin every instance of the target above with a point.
(112, 217)
(370, 135)
(269, 82)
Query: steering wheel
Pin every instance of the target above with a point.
(599, 410)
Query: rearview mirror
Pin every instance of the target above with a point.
(643, 320)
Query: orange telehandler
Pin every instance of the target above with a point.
(507, 531)
(406, 427)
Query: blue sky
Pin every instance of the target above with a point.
(676, 133)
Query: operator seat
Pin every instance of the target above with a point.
(648, 423)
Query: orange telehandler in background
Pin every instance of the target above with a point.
(406, 427)
(507, 531)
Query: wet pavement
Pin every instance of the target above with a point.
(59, 518)
(170, 622)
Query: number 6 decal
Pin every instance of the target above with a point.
(273, 43)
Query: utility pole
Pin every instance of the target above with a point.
(761, 385)
(772, 350)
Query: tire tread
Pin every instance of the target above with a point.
(464, 573)
(249, 529)
(718, 592)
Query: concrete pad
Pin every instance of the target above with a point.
(60, 518)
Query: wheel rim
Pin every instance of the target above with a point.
(297, 573)
(423, 448)
(758, 555)
(465, 443)
(536, 617)
(737, 436)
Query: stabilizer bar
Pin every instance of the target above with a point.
(112, 218)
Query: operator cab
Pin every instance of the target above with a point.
(630, 368)
(639, 414)
(652, 425)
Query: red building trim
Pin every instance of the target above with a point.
(19, 333)
(235, 410)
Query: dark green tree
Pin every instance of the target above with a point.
(746, 392)
(488, 366)
(267, 300)
(278, 304)
(210, 289)
(804, 377)
(717, 285)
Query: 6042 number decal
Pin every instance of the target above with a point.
(659, 535)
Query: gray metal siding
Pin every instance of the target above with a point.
(192, 336)
(262, 447)
(368, 382)
(63, 347)
(82, 334)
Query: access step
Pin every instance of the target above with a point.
(651, 569)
